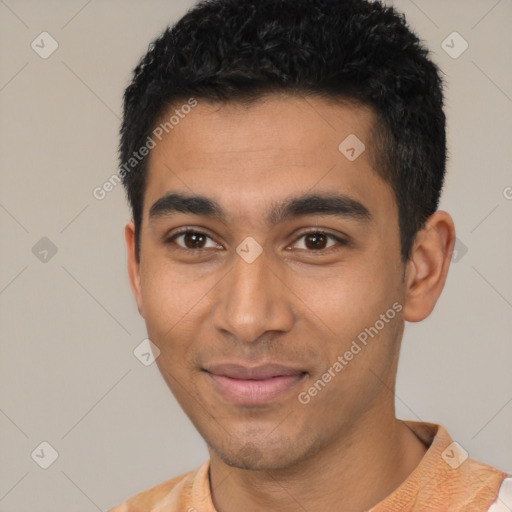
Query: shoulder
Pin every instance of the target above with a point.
(446, 478)
(503, 502)
(151, 498)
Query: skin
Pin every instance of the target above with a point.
(297, 304)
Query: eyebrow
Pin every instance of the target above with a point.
(337, 205)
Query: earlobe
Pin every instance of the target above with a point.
(428, 266)
(133, 265)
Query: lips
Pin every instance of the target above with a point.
(268, 371)
(244, 385)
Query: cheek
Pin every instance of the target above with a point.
(176, 307)
(345, 299)
(159, 301)
(353, 309)
(167, 293)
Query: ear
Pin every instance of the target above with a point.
(428, 266)
(133, 265)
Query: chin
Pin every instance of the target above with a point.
(254, 457)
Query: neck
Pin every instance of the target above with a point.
(358, 470)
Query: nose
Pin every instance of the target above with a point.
(253, 299)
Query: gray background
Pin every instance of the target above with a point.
(69, 324)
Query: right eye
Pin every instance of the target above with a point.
(191, 240)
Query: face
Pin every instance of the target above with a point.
(275, 295)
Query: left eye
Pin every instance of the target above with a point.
(317, 240)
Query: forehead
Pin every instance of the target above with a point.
(247, 156)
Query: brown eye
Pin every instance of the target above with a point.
(194, 240)
(315, 240)
(318, 241)
(191, 240)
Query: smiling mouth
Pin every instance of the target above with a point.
(253, 386)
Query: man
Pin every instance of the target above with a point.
(284, 160)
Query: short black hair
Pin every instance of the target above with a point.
(241, 50)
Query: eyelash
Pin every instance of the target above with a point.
(171, 240)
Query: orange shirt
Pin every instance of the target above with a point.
(444, 480)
